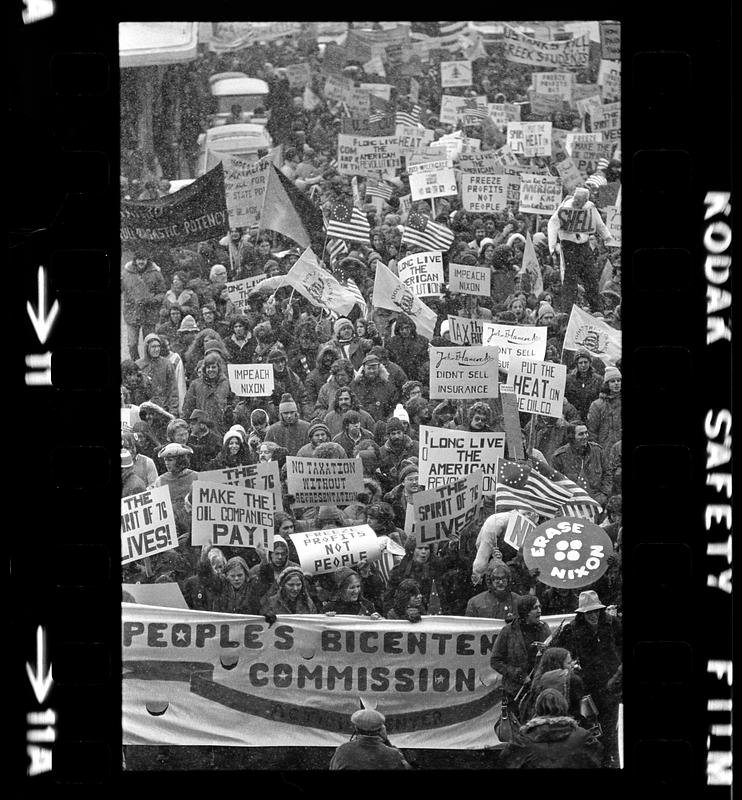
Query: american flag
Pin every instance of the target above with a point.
(352, 287)
(408, 117)
(472, 109)
(422, 232)
(337, 248)
(347, 222)
(376, 188)
(541, 489)
(376, 116)
(596, 180)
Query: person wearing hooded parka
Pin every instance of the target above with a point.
(161, 374)
(211, 393)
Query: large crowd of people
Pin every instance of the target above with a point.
(357, 386)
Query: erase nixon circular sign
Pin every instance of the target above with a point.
(568, 551)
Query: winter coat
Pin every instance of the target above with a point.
(511, 656)
(334, 420)
(347, 443)
(354, 351)
(604, 420)
(360, 608)
(145, 468)
(224, 597)
(319, 375)
(240, 352)
(179, 485)
(597, 650)
(286, 383)
(411, 354)
(576, 225)
(550, 434)
(392, 457)
(292, 437)
(278, 604)
(214, 397)
(588, 470)
(581, 389)
(367, 752)
(162, 376)
(225, 459)
(143, 293)
(377, 396)
(187, 300)
(615, 467)
(205, 449)
(552, 743)
(485, 604)
(424, 574)
(131, 483)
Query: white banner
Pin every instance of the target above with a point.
(244, 188)
(332, 549)
(485, 193)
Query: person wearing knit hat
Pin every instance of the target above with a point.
(290, 431)
(604, 418)
(188, 325)
(583, 384)
(345, 339)
(318, 433)
(292, 596)
(374, 389)
(545, 314)
(348, 596)
(398, 446)
(445, 329)
(369, 747)
(234, 452)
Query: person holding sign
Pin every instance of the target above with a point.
(570, 228)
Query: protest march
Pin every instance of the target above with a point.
(371, 393)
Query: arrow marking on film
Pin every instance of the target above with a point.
(41, 681)
(41, 322)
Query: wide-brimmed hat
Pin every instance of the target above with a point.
(589, 601)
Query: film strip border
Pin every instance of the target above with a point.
(678, 390)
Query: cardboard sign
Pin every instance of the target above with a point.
(522, 49)
(446, 511)
(588, 105)
(465, 330)
(382, 90)
(554, 83)
(332, 549)
(570, 176)
(126, 418)
(300, 75)
(251, 380)
(609, 80)
(587, 154)
(414, 93)
(469, 280)
(411, 139)
(422, 273)
(519, 341)
(455, 73)
(263, 476)
(323, 481)
(608, 122)
(463, 373)
(569, 552)
(238, 291)
(506, 157)
(478, 162)
(538, 385)
(610, 40)
(451, 104)
(362, 126)
(165, 595)
(539, 194)
(147, 524)
(336, 87)
(502, 113)
(483, 192)
(367, 155)
(518, 527)
(613, 223)
(233, 516)
(428, 184)
(544, 105)
(244, 188)
(447, 455)
(530, 138)
(580, 140)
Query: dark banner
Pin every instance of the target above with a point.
(193, 214)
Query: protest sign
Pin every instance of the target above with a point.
(147, 524)
(570, 176)
(607, 120)
(414, 93)
(446, 455)
(391, 293)
(412, 139)
(433, 183)
(586, 154)
(610, 40)
(469, 146)
(363, 126)
(452, 104)
(263, 476)
(609, 80)
(375, 66)
(502, 113)
(455, 73)
(251, 380)
(463, 373)
(522, 49)
(405, 205)
(544, 105)
(332, 549)
(539, 194)
(381, 90)
(229, 515)
(239, 291)
(588, 105)
(608, 194)
(518, 527)
(591, 30)
(165, 595)
(369, 155)
(356, 48)
(300, 75)
(324, 481)
(579, 140)
(193, 214)
(538, 385)
(569, 552)
(506, 157)
(469, 280)
(446, 511)
(358, 101)
(478, 162)
(554, 83)
(529, 138)
(126, 418)
(519, 341)
(433, 680)
(465, 330)
(244, 188)
(335, 86)
(613, 223)
(422, 273)
(483, 192)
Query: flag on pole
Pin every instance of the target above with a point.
(411, 118)
(320, 287)
(473, 109)
(348, 222)
(531, 267)
(289, 211)
(584, 331)
(353, 289)
(541, 489)
(606, 275)
(337, 248)
(376, 188)
(391, 293)
(427, 234)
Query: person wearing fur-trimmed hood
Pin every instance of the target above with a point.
(375, 392)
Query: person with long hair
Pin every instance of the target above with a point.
(555, 670)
